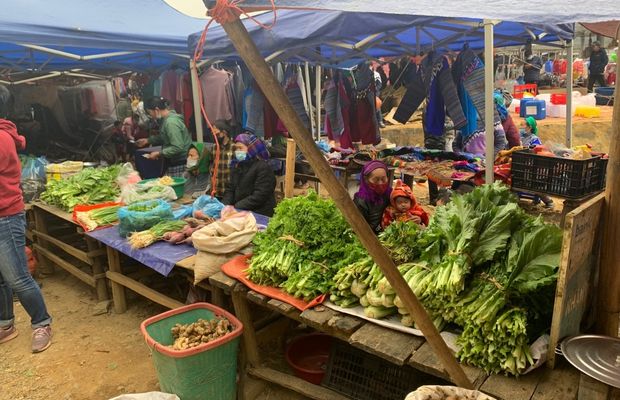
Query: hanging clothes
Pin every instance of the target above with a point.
(217, 94)
(254, 110)
(169, 85)
(238, 90)
(187, 99)
(337, 108)
(364, 125)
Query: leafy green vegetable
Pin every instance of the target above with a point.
(90, 186)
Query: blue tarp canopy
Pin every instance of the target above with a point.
(49, 35)
(343, 38)
(527, 11)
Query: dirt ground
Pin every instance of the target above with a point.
(92, 357)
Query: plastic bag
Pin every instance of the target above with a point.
(127, 176)
(33, 177)
(441, 392)
(149, 191)
(207, 205)
(182, 212)
(142, 216)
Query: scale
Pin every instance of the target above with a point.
(596, 356)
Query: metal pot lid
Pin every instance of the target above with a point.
(596, 356)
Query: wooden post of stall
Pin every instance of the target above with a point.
(289, 168)
(609, 275)
(278, 99)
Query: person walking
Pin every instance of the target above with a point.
(598, 62)
(14, 274)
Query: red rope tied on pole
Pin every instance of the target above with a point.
(223, 12)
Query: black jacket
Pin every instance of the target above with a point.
(251, 188)
(373, 213)
(598, 61)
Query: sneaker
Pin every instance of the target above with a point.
(7, 334)
(41, 339)
(381, 125)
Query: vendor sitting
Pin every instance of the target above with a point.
(529, 133)
(403, 207)
(373, 195)
(252, 180)
(198, 159)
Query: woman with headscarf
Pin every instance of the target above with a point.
(529, 134)
(198, 160)
(252, 180)
(510, 129)
(373, 196)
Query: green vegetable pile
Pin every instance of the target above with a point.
(482, 265)
(98, 217)
(90, 186)
(305, 244)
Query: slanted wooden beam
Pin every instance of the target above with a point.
(275, 94)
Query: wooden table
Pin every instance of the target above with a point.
(57, 237)
(396, 347)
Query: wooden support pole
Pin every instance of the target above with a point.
(609, 278)
(275, 94)
(289, 168)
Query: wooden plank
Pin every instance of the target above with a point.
(144, 290)
(41, 226)
(242, 311)
(187, 263)
(118, 290)
(509, 388)
(560, 383)
(388, 344)
(425, 360)
(318, 317)
(289, 168)
(296, 384)
(275, 94)
(282, 307)
(346, 324)
(591, 389)
(98, 269)
(223, 281)
(257, 298)
(55, 211)
(576, 266)
(77, 253)
(70, 268)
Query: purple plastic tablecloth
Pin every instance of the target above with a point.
(160, 256)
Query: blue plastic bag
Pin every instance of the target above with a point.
(210, 206)
(33, 177)
(183, 212)
(133, 220)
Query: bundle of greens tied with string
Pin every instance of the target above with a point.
(483, 268)
(305, 244)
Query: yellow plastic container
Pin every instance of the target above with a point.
(587, 111)
(63, 170)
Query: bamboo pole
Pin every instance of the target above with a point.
(193, 70)
(489, 104)
(289, 168)
(569, 96)
(275, 94)
(609, 278)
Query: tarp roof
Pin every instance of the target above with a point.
(343, 38)
(529, 11)
(606, 28)
(153, 31)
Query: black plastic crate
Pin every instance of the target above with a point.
(363, 376)
(571, 179)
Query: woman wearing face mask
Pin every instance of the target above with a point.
(173, 137)
(223, 131)
(373, 195)
(252, 181)
(198, 160)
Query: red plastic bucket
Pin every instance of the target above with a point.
(558, 98)
(308, 356)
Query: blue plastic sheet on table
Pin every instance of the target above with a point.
(182, 212)
(210, 206)
(160, 256)
(324, 146)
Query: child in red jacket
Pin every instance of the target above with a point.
(403, 207)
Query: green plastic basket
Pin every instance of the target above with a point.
(178, 185)
(208, 371)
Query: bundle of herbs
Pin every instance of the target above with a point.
(88, 187)
(304, 246)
